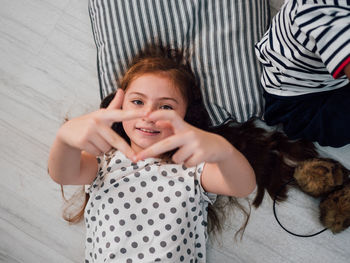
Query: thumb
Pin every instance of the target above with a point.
(117, 101)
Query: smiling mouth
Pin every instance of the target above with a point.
(148, 131)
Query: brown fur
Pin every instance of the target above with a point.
(335, 210)
(317, 177)
(327, 178)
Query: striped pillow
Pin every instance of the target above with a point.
(220, 34)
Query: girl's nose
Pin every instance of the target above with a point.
(149, 109)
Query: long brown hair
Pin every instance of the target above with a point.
(270, 153)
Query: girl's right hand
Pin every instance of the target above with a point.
(92, 132)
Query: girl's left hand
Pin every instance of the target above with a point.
(195, 145)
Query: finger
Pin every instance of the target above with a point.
(160, 147)
(193, 161)
(115, 140)
(169, 115)
(100, 143)
(184, 153)
(163, 124)
(114, 115)
(117, 101)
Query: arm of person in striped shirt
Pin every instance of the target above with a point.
(347, 70)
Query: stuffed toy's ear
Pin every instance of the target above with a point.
(320, 176)
(335, 209)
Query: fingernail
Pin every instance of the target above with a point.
(134, 158)
(139, 157)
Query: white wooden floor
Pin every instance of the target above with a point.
(48, 72)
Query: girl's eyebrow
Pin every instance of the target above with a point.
(162, 98)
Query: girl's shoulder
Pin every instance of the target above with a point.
(115, 160)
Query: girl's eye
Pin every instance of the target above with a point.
(137, 102)
(166, 107)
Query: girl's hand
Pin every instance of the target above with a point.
(227, 171)
(195, 145)
(93, 133)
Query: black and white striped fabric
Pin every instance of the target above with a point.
(220, 34)
(306, 47)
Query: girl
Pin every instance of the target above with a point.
(150, 183)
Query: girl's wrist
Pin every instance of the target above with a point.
(62, 143)
(228, 151)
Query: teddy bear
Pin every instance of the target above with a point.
(329, 180)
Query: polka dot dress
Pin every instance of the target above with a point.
(146, 212)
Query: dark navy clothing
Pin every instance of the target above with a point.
(304, 54)
(323, 117)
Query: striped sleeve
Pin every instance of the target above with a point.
(327, 24)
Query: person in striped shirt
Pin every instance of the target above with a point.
(306, 70)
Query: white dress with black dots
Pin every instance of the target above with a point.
(146, 212)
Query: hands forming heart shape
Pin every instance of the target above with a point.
(93, 133)
(78, 141)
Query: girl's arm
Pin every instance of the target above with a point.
(71, 166)
(226, 171)
(232, 176)
(73, 154)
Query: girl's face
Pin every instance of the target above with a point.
(147, 93)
